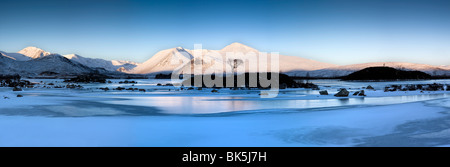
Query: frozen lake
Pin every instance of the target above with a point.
(171, 100)
(168, 116)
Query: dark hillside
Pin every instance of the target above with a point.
(386, 73)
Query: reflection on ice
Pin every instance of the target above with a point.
(344, 101)
(213, 104)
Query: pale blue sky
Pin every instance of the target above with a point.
(334, 31)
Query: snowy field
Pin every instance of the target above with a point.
(169, 116)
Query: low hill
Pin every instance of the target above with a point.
(386, 73)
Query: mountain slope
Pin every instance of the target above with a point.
(16, 56)
(164, 61)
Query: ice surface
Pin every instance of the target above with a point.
(92, 117)
(333, 127)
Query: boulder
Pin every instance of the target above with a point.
(214, 91)
(342, 93)
(19, 95)
(361, 93)
(369, 87)
(356, 93)
(323, 92)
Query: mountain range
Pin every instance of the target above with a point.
(290, 65)
(218, 60)
(32, 61)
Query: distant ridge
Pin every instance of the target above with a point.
(110, 65)
(340, 71)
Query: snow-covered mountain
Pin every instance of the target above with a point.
(26, 54)
(347, 69)
(168, 60)
(33, 52)
(113, 65)
(52, 63)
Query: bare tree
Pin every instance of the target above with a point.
(234, 63)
